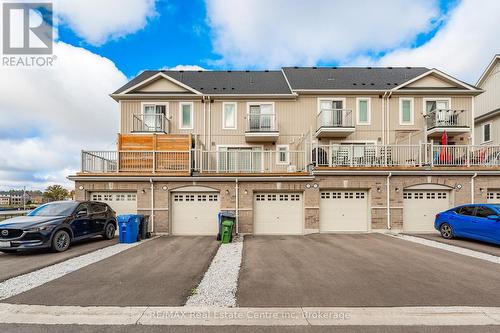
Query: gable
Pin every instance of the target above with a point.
(432, 81)
(161, 85)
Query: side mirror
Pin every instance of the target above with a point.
(494, 217)
(82, 213)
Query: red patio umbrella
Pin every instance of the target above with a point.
(444, 156)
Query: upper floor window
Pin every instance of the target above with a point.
(153, 117)
(229, 115)
(261, 116)
(186, 115)
(282, 154)
(363, 111)
(406, 116)
(487, 132)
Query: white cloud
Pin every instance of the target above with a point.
(97, 21)
(49, 114)
(463, 47)
(186, 68)
(272, 33)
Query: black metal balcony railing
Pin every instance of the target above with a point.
(446, 118)
(261, 123)
(150, 123)
(334, 118)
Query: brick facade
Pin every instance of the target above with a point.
(375, 185)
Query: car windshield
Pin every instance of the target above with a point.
(497, 206)
(55, 209)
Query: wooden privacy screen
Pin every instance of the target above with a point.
(171, 153)
(157, 142)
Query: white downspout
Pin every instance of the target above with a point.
(383, 118)
(152, 219)
(237, 188)
(388, 114)
(204, 120)
(472, 187)
(471, 121)
(209, 143)
(388, 194)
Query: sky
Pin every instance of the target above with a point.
(48, 115)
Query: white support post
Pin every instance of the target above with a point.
(154, 161)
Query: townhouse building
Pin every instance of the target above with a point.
(4, 200)
(293, 151)
(487, 121)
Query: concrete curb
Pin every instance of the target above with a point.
(450, 248)
(206, 316)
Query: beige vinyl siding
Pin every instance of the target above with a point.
(494, 131)
(490, 99)
(296, 118)
(129, 108)
(397, 131)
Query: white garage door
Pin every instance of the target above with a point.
(343, 211)
(493, 197)
(195, 213)
(278, 214)
(121, 202)
(420, 209)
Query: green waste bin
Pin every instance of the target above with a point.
(227, 231)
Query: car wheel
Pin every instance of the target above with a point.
(446, 231)
(61, 241)
(109, 231)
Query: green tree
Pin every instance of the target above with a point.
(55, 193)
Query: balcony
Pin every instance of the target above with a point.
(251, 161)
(404, 156)
(261, 128)
(150, 123)
(453, 122)
(146, 162)
(334, 123)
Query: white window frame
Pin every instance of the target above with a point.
(412, 115)
(143, 106)
(235, 116)
(218, 149)
(330, 99)
(191, 116)
(287, 152)
(482, 132)
(368, 110)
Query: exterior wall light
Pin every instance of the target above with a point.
(80, 187)
(308, 185)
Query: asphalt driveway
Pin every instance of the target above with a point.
(21, 263)
(360, 270)
(470, 244)
(162, 271)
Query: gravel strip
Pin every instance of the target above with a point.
(220, 282)
(22, 283)
(451, 248)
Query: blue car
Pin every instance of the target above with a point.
(476, 221)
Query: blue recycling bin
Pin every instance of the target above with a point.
(129, 227)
